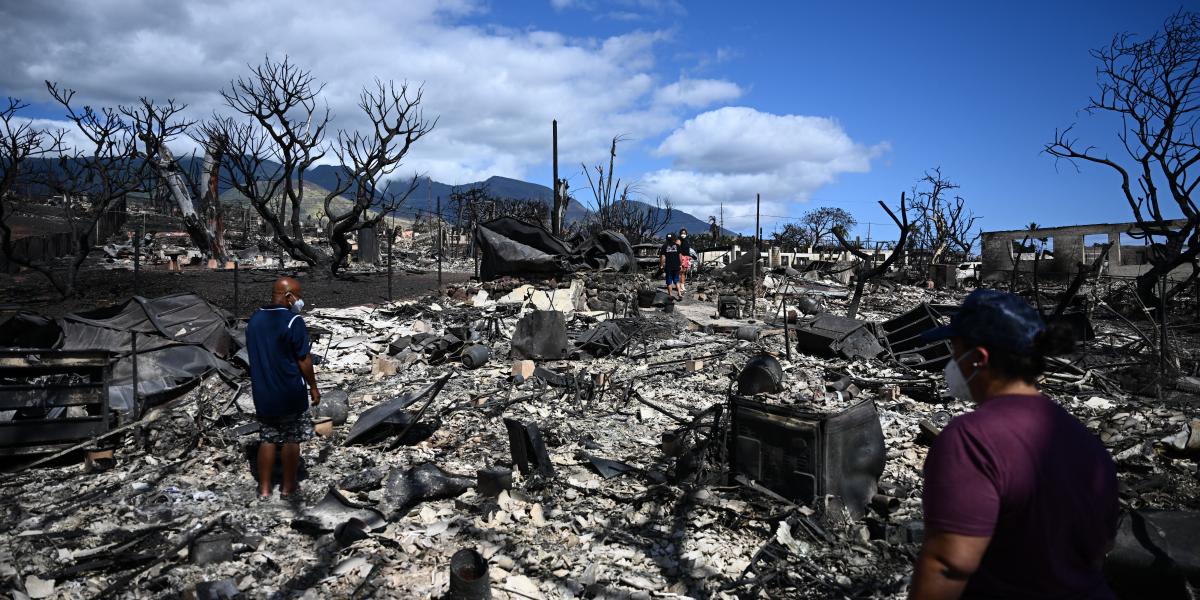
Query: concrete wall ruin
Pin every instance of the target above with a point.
(1067, 251)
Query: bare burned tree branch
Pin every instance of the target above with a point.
(92, 179)
(287, 127)
(1154, 86)
(867, 270)
(397, 123)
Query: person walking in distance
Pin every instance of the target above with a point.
(1020, 499)
(283, 383)
(685, 258)
(668, 262)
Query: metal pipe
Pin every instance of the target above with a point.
(884, 504)
(469, 578)
(236, 287)
(137, 407)
(137, 262)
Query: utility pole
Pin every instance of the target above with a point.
(390, 231)
(555, 212)
(757, 236)
(439, 243)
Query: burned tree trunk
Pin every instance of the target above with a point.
(866, 273)
(167, 169)
(212, 199)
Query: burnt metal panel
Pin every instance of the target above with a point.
(540, 335)
(527, 448)
(37, 387)
(804, 455)
(902, 337)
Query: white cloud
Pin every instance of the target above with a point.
(729, 154)
(494, 90)
(697, 93)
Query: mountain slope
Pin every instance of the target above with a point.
(424, 199)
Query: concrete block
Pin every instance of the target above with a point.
(524, 368)
(323, 426)
(693, 365)
(383, 366)
(229, 266)
(212, 263)
(98, 460)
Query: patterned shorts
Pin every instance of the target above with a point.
(286, 430)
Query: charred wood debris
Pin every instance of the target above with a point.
(582, 436)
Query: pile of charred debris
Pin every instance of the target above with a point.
(578, 436)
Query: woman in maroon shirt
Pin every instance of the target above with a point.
(1020, 499)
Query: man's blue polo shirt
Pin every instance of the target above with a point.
(276, 340)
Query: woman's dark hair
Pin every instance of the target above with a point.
(1057, 338)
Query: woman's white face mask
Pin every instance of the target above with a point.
(957, 384)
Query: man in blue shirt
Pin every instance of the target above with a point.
(282, 378)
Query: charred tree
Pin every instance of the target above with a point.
(269, 155)
(368, 159)
(942, 224)
(867, 270)
(91, 180)
(617, 207)
(1153, 85)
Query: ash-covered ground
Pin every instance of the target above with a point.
(666, 520)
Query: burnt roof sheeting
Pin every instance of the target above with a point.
(607, 250)
(181, 338)
(184, 317)
(389, 411)
(29, 330)
(509, 246)
(163, 373)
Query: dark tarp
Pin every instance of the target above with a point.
(181, 338)
(607, 250)
(509, 246)
(603, 339)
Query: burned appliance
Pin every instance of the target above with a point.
(762, 375)
(53, 397)
(540, 335)
(830, 335)
(729, 307)
(805, 456)
(902, 336)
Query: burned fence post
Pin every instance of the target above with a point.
(439, 243)
(134, 365)
(867, 273)
(236, 289)
(137, 262)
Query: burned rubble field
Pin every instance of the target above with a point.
(633, 496)
(101, 287)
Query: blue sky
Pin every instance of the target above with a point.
(809, 103)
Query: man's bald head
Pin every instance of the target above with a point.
(285, 286)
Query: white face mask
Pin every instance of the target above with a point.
(683, 235)
(298, 305)
(957, 384)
